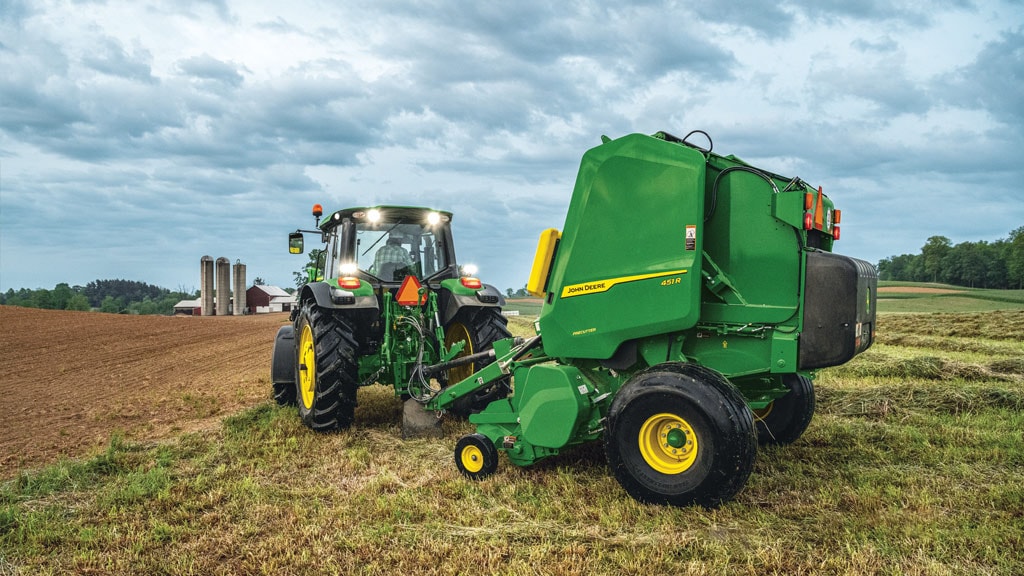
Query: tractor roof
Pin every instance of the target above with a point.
(393, 214)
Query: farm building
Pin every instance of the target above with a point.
(264, 299)
(189, 307)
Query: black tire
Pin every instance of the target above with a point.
(326, 368)
(483, 326)
(680, 434)
(785, 419)
(476, 457)
(282, 367)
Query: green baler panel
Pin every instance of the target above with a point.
(760, 254)
(550, 406)
(628, 263)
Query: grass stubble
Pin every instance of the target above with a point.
(913, 465)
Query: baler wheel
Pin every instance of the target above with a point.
(680, 434)
(327, 369)
(475, 456)
(786, 418)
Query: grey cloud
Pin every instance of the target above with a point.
(886, 84)
(111, 58)
(993, 82)
(769, 19)
(205, 67)
(916, 14)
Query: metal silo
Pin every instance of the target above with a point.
(223, 286)
(239, 303)
(206, 285)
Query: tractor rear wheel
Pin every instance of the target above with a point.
(786, 418)
(479, 328)
(327, 368)
(680, 434)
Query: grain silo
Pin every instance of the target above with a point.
(223, 286)
(206, 285)
(238, 308)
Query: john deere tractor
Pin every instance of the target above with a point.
(688, 302)
(385, 299)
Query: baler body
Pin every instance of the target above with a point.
(687, 303)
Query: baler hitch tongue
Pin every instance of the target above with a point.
(455, 363)
(506, 352)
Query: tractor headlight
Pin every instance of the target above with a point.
(373, 215)
(433, 218)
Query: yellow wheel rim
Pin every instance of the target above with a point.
(668, 443)
(761, 413)
(472, 459)
(307, 367)
(455, 333)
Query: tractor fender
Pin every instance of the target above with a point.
(451, 301)
(282, 366)
(321, 293)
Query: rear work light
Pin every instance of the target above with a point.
(471, 283)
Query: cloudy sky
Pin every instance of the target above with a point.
(138, 136)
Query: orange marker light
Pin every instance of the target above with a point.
(471, 283)
(836, 216)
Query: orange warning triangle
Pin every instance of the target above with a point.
(409, 293)
(819, 212)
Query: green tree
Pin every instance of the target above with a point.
(111, 305)
(1015, 258)
(316, 261)
(932, 254)
(79, 302)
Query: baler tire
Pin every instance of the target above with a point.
(786, 418)
(475, 456)
(325, 392)
(693, 411)
(483, 326)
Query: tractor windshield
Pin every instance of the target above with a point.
(391, 251)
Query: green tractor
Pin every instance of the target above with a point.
(688, 302)
(385, 299)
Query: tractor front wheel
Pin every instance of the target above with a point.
(327, 368)
(475, 456)
(786, 418)
(479, 328)
(680, 434)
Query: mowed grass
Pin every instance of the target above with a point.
(913, 464)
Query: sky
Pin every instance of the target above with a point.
(138, 136)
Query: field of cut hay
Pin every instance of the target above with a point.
(912, 465)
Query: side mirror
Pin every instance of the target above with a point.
(295, 243)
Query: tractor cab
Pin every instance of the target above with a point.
(388, 244)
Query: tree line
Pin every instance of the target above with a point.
(998, 264)
(112, 296)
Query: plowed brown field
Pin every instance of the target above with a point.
(69, 380)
